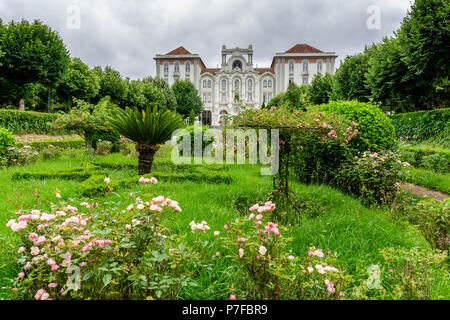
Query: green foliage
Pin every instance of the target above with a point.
(111, 84)
(435, 159)
(187, 97)
(79, 82)
(32, 53)
(152, 127)
(424, 37)
(423, 125)
(61, 144)
(427, 179)
(321, 88)
(141, 95)
(89, 121)
(191, 117)
(23, 122)
(77, 174)
(169, 95)
(375, 130)
(6, 140)
(350, 77)
(192, 130)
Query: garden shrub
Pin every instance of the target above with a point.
(375, 130)
(70, 252)
(436, 159)
(51, 152)
(27, 121)
(63, 144)
(192, 130)
(15, 156)
(423, 125)
(77, 174)
(6, 140)
(437, 162)
(270, 271)
(104, 147)
(427, 179)
(372, 177)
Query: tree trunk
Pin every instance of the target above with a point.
(146, 156)
(21, 104)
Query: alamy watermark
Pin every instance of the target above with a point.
(73, 17)
(374, 19)
(231, 146)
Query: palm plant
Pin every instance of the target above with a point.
(149, 129)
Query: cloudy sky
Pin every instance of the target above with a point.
(126, 34)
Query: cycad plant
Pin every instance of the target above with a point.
(149, 129)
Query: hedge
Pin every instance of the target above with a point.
(22, 122)
(95, 186)
(77, 174)
(64, 144)
(435, 159)
(422, 125)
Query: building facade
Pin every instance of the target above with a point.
(237, 81)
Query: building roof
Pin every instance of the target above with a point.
(179, 51)
(210, 70)
(303, 48)
(262, 70)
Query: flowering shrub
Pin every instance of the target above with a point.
(85, 252)
(371, 176)
(270, 271)
(51, 152)
(104, 147)
(18, 156)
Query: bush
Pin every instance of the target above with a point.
(27, 121)
(51, 152)
(192, 130)
(18, 156)
(375, 130)
(427, 179)
(104, 147)
(77, 174)
(423, 125)
(372, 177)
(62, 144)
(6, 140)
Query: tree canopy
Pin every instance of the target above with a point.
(187, 97)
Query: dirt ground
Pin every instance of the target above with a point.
(421, 191)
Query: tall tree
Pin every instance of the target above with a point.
(349, 80)
(32, 53)
(321, 88)
(78, 82)
(169, 95)
(111, 84)
(187, 97)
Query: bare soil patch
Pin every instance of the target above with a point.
(422, 192)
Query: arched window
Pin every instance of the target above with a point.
(305, 65)
(166, 67)
(204, 83)
(177, 67)
(209, 83)
(319, 65)
(206, 117)
(265, 84)
(188, 67)
(291, 66)
(223, 117)
(224, 84)
(250, 84)
(237, 64)
(269, 84)
(236, 85)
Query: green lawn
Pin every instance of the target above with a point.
(330, 219)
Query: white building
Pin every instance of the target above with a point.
(237, 76)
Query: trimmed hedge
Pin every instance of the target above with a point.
(94, 186)
(77, 174)
(27, 121)
(422, 125)
(376, 131)
(64, 144)
(427, 179)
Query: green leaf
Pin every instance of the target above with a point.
(107, 279)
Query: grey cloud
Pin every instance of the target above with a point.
(127, 34)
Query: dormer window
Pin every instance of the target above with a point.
(237, 64)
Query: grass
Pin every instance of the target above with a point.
(331, 220)
(427, 179)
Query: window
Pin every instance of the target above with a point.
(319, 65)
(206, 118)
(204, 97)
(188, 67)
(237, 64)
(223, 117)
(224, 84)
(224, 97)
(265, 98)
(305, 80)
(291, 66)
(291, 80)
(305, 65)
(236, 85)
(250, 84)
(204, 83)
(209, 83)
(269, 84)
(177, 67)
(269, 97)
(265, 84)
(250, 97)
(166, 67)
(209, 97)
